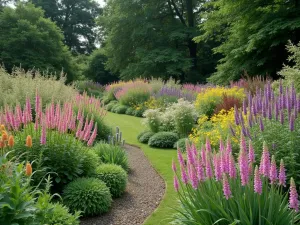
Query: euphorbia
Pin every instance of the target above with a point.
(243, 193)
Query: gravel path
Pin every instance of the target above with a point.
(145, 189)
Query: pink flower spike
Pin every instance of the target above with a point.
(208, 168)
(226, 187)
(221, 147)
(207, 145)
(190, 155)
(193, 176)
(184, 177)
(243, 164)
(282, 175)
(93, 136)
(294, 203)
(43, 135)
(200, 171)
(251, 153)
(180, 158)
(257, 181)
(273, 171)
(176, 185)
(265, 161)
(243, 145)
(217, 166)
(174, 166)
(203, 155)
(232, 168)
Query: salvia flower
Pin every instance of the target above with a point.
(282, 175)
(294, 203)
(226, 187)
(273, 171)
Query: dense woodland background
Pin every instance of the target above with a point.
(193, 41)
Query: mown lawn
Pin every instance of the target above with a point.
(161, 160)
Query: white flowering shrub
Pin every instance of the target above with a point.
(152, 119)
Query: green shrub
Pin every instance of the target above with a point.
(129, 111)
(135, 97)
(153, 119)
(145, 137)
(121, 109)
(64, 157)
(112, 154)
(105, 100)
(139, 112)
(115, 178)
(114, 107)
(110, 105)
(55, 213)
(163, 140)
(91, 196)
(181, 143)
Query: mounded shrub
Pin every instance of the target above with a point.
(163, 140)
(91, 196)
(121, 109)
(111, 105)
(139, 112)
(115, 106)
(181, 143)
(129, 111)
(115, 178)
(112, 154)
(145, 137)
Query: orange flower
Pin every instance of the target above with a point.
(28, 169)
(2, 127)
(29, 141)
(4, 136)
(11, 141)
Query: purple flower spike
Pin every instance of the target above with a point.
(193, 176)
(200, 171)
(273, 171)
(257, 181)
(226, 187)
(180, 158)
(236, 116)
(261, 124)
(176, 185)
(184, 176)
(292, 122)
(282, 176)
(294, 203)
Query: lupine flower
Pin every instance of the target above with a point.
(243, 164)
(294, 203)
(261, 124)
(251, 153)
(28, 171)
(173, 166)
(184, 177)
(226, 187)
(265, 162)
(282, 176)
(208, 169)
(11, 141)
(292, 122)
(232, 169)
(176, 185)
(180, 158)
(29, 141)
(273, 171)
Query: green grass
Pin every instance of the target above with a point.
(160, 159)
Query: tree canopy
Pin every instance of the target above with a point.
(253, 35)
(76, 18)
(154, 38)
(29, 40)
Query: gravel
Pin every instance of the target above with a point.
(145, 189)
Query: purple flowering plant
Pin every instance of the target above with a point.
(215, 189)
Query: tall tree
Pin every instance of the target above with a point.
(253, 35)
(77, 20)
(154, 38)
(29, 40)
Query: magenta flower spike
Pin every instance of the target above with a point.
(217, 167)
(93, 136)
(251, 153)
(293, 201)
(273, 171)
(243, 165)
(174, 166)
(257, 181)
(176, 185)
(43, 135)
(226, 187)
(207, 145)
(190, 155)
(265, 162)
(203, 155)
(200, 171)
(184, 176)
(208, 168)
(28, 109)
(282, 175)
(243, 145)
(232, 168)
(193, 176)
(180, 158)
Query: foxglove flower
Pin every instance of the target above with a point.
(226, 187)
(282, 176)
(294, 203)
